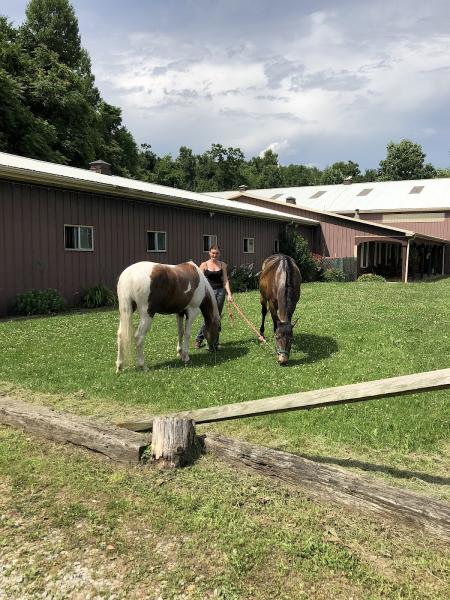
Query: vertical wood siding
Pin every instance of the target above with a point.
(32, 220)
(440, 229)
(335, 237)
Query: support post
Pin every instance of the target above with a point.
(405, 262)
(174, 443)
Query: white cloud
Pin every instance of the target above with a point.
(336, 84)
(276, 147)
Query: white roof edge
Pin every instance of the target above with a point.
(37, 171)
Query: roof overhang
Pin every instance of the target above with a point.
(106, 184)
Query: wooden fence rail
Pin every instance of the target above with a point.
(356, 392)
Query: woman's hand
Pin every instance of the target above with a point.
(230, 298)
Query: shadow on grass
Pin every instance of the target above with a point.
(200, 358)
(369, 467)
(316, 347)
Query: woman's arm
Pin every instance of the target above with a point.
(203, 266)
(226, 283)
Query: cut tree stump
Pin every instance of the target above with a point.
(174, 443)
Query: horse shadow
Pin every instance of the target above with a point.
(200, 358)
(370, 467)
(316, 347)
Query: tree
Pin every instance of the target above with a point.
(338, 171)
(405, 160)
(53, 24)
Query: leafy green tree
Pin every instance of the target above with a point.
(294, 245)
(405, 160)
(338, 171)
(299, 175)
(53, 24)
(442, 172)
(21, 132)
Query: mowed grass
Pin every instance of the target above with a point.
(75, 524)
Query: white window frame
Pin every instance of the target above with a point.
(78, 227)
(248, 244)
(155, 233)
(212, 240)
(364, 260)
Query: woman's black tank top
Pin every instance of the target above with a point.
(215, 278)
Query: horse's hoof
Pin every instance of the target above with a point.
(142, 368)
(283, 361)
(185, 358)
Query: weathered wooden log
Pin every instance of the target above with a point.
(330, 484)
(355, 392)
(174, 443)
(112, 441)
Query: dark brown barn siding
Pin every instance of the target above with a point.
(335, 237)
(32, 238)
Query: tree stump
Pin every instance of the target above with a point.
(174, 442)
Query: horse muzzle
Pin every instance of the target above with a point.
(283, 358)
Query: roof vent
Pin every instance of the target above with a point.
(291, 200)
(416, 189)
(356, 215)
(243, 188)
(100, 166)
(318, 194)
(348, 180)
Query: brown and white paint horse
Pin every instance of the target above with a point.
(279, 284)
(166, 289)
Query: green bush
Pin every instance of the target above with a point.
(333, 275)
(39, 302)
(96, 296)
(296, 246)
(243, 278)
(371, 277)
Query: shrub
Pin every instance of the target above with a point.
(39, 302)
(243, 278)
(371, 277)
(333, 275)
(96, 296)
(296, 246)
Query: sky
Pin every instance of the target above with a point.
(316, 81)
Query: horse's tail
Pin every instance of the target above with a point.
(125, 331)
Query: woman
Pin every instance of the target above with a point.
(216, 273)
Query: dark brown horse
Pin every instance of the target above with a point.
(279, 284)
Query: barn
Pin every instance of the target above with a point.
(68, 228)
(399, 229)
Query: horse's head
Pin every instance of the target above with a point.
(211, 315)
(283, 341)
(212, 329)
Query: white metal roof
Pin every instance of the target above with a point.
(380, 196)
(37, 171)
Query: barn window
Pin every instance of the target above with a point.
(276, 246)
(364, 255)
(78, 237)
(249, 245)
(208, 241)
(156, 241)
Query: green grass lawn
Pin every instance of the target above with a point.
(224, 527)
